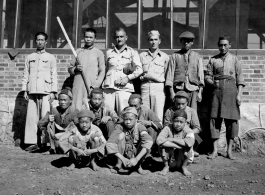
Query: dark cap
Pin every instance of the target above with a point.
(135, 96)
(182, 94)
(130, 110)
(86, 113)
(180, 113)
(187, 34)
(67, 91)
(96, 90)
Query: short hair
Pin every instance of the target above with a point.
(43, 34)
(118, 30)
(224, 37)
(180, 97)
(91, 30)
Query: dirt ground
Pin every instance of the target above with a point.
(40, 174)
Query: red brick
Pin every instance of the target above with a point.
(11, 81)
(260, 58)
(255, 75)
(10, 77)
(10, 84)
(59, 57)
(63, 73)
(63, 69)
(253, 58)
(245, 57)
(245, 75)
(4, 65)
(11, 69)
(256, 71)
(247, 71)
(63, 61)
(248, 80)
(257, 66)
(256, 62)
(21, 69)
(257, 84)
(20, 64)
(3, 81)
(256, 80)
(256, 89)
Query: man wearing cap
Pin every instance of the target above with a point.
(129, 143)
(123, 66)
(91, 62)
(155, 63)
(175, 143)
(84, 142)
(185, 71)
(105, 118)
(56, 120)
(224, 74)
(146, 116)
(181, 101)
(39, 84)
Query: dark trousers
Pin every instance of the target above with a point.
(107, 129)
(231, 128)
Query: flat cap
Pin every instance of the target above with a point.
(96, 90)
(187, 34)
(182, 94)
(153, 33)
(135, 95)
(180, 113)
(86, 113)
(130, 110)
(67, 91)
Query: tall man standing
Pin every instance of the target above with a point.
(224, 73)
(39, 85)
(155, 63)
(185, 71)
(91, 62)
(123, 65)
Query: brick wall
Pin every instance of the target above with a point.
(11, 72)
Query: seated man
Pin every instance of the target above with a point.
(181, 101)
(58, 119)
(84, 142)
(175, 143)
(130, 142)
(146, 116)
(105, 118)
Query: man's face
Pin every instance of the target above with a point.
(120, 38)
(135, 102)
(186, 43)
(96, 100)
(85, 123)
(89, 38)
(179, 123)
(64, 101)
(154, 42)
(129, 120)
(181, 103)
(41, 42)
(224, 46)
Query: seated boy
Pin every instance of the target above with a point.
(175, 143)
(105, 118)
(84, 142)
(129, 142)
(56, 120)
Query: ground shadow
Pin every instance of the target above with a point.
(61, 162)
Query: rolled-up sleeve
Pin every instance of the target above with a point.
(195, 123)
(137, 63)
(163, 135)
(201, 73)
(146, 139)
(189, 139)
(239, 74)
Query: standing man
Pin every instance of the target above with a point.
(155, 63)
(91, 62)
(224, 73)
(123, 65)
(185, 71)
(39, 85)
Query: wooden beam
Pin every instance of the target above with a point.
(206, 24)
(237, 22)
(108, 24)
(77, 26)
(187, 13)
(3, 21)
(171, 24)
(140, 22)
(48, 15)
(87, 3)
(17, 24)
(202, 21)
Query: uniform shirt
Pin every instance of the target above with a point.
(156, 64)
(225, 65)
(171, 69)
(116, 61)
(40, 73)
(192, 117)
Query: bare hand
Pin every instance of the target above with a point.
(133, 161)
(88, 152)
(51, 118)
(80, 152)
(126, 162)
(216, 83)
(145, 123)
(172, 96)
(199, 97)
(79, 68)
(117, 82)
(124, 81)
(105, 119)
(26, 96)
(238, 100)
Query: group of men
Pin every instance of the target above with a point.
(101, 116)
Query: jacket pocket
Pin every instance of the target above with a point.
(47, 85)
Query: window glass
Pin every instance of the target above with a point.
(221, 21)
(124, 14)
(156, 16)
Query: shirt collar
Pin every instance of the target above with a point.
(157, 52)
(224, 56)
(92, 108)
(125, 47)
(88, 48)
(40, 51)
(67, 111)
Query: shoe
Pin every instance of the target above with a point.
(32, 148)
